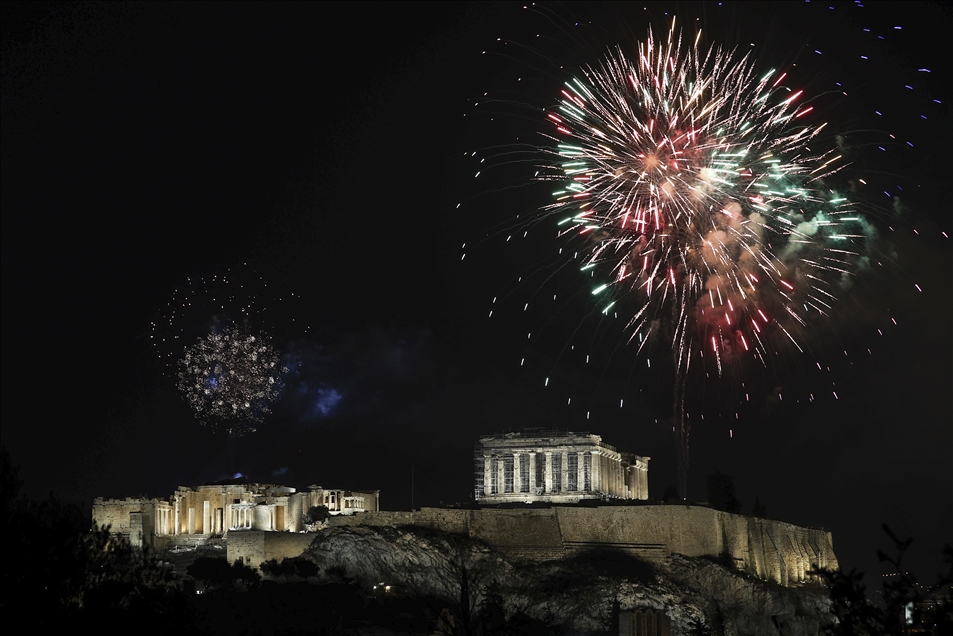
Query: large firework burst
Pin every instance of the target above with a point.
(207, 304)
(230, 379)
(693, 186)
(697, 190)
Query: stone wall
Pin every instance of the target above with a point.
(254, 547)
(131, 518)
(773, 550)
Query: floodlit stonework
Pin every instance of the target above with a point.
(555, 467)
(194, 515)
(768, 549)
(591, 496)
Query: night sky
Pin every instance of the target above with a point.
(322, 159)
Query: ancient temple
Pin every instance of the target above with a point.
(195, 515)
(555, 467)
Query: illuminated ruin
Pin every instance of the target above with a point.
(555, 467)
(194, 515)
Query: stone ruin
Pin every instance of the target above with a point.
(555, 467)
(193, 516)
(584, 494)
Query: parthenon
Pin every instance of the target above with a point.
(555, 467)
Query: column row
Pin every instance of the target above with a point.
(552, 472)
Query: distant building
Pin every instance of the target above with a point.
(555, 467)
(194, 515)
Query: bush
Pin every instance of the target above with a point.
(290, 568)
(218, 575)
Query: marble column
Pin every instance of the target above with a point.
(548, 475)
(517, 475)
(632, 482)
(500, 475)
(596, 471)
(614, 471)
(617, 470)
(611, 475)
(564, 472)
(644, 480)
(532, 473)
(486, 475)
(580, 471)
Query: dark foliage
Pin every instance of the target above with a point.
(908, 607)
(317, 514)
(219, 576)
(596, 563)
(77, 575)
(290, 608)
(758, 509)
(721, 492)
(290, 568)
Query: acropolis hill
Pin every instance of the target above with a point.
(540, 495)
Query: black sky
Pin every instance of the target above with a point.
(325, 149)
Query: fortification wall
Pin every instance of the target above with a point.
(772, 550)
(132, 518)
(450, 520)
(254, 547)
(526, 534)
(247, 546)
(115, 513)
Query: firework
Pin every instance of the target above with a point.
(230, 378)
(216, 338)
(203, 305)
(208, 304)
(696, 189)
(692, 188)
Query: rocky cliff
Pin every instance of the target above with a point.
(772, 550)
(586, 592)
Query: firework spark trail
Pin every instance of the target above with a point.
(692, 185)
(230, 379)
(208, 304)
(203, 304)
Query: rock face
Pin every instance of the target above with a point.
(737, 603)
(587, 592)
(771, 550)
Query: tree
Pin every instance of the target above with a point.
(290, 569)
(219, 576)
(907, 605)
(76, 574)
(318, 514)
(721, 492)
(758, 509)
(670, 494)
